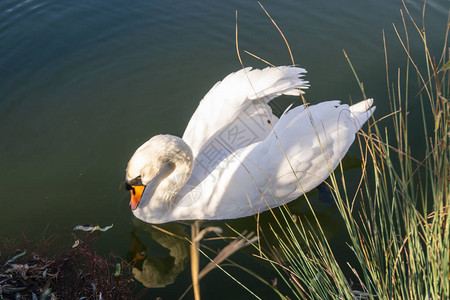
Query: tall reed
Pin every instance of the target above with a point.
(398, 219)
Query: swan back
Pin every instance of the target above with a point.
(306, 146)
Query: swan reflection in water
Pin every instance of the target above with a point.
(156, 270)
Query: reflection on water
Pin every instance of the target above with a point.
(154, 271)
(272, 223)
(164, 254)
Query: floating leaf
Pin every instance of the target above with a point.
(16, 257)
(77, 242)
(12, 289)
(89, 228)
(118, 270)
(46, 293)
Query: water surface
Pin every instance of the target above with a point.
(84, 83)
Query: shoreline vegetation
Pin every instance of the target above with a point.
(397, 219)
(62, 267)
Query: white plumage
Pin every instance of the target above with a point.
(235, 164)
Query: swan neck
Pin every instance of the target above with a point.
(179, 158)
(163, 164)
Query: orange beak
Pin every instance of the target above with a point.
(136, 194)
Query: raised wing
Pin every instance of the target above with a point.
(235, 113)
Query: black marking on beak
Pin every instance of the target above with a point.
(130, 183)
(128, 186)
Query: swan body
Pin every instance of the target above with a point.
(236, 158)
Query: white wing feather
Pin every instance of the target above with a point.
(308, 145)
(235, 113)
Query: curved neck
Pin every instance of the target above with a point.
(163, 164)
(172, 179)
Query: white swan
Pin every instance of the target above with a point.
(230, 163)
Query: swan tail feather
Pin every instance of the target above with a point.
(362, 111)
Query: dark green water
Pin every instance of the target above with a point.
(84, 83)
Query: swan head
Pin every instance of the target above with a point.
(156, 161)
